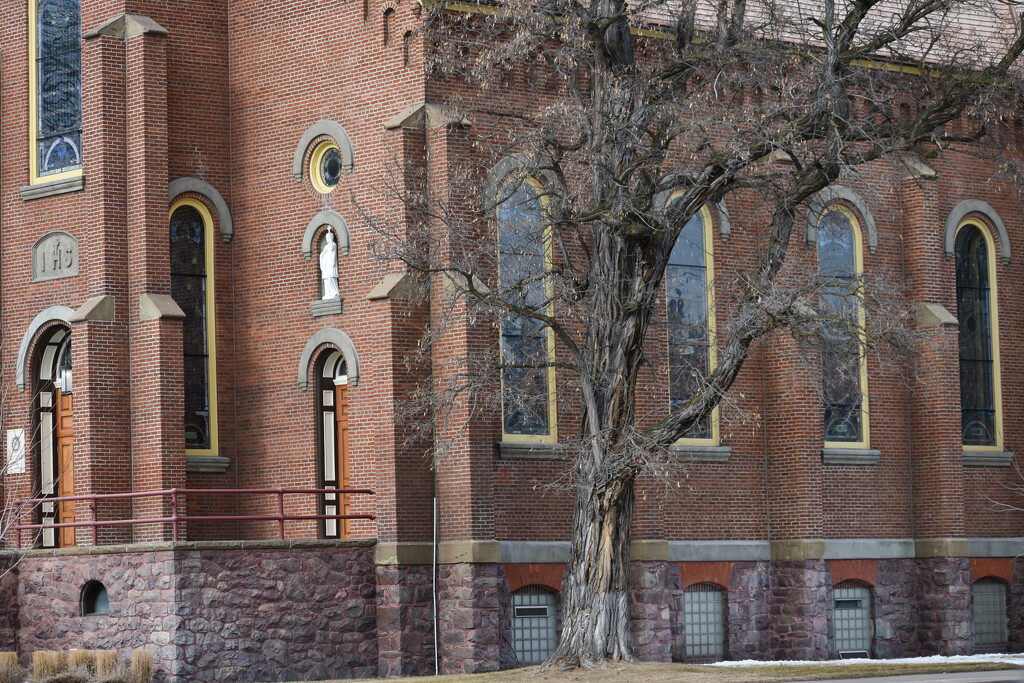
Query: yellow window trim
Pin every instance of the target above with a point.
(33, 106)
(709, 270)
(552, 435)
(862, 360)
(211, 321)
(997, 389)
(315, 178)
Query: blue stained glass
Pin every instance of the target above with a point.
(59, 97)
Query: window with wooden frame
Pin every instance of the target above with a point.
(192, 287)
(55, 90)
(843, 361)
(689, 293)
(527, 344)
(977, 314)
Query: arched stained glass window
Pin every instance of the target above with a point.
(527, 345)
(975, 305)
(843, 364)
(57, 86)
(191, 252)
(690, 318)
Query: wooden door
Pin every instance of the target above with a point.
(65, 467)
(344, 481)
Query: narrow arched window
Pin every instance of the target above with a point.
(534, 624)
(191, 252)
(388, 14)
(978, 332)
(990, 624)
(691, 318)
(844, 368)
(704, 622)
(55, 87)
(406, 43)
(852, 619)
(527, 344)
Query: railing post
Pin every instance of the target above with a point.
(280, 512)
(174, 513)
(94, 503)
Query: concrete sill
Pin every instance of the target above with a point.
(508, 450)
(322, 307)
(54, 187)
(988, 459)
(700, 453)
(206, 464)
(862, 457)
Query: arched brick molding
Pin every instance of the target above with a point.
(220, 207)
(331, 130)
(339, 339)
(516, 166)
(819, 202)
(547, 574)
(864, 571)
(51, 314)
(969, 206)
(337, 223)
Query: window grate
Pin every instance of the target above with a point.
(852, 619)
(990, 614)
(704, 621)
(533, 625)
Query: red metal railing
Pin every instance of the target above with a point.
(175, 519)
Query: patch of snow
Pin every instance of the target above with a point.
(1017, 660)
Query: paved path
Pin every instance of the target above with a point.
(1006, 676)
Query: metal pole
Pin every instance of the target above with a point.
(437, 669)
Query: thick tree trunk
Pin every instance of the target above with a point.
(595, 591)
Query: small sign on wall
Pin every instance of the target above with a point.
(54, 255)
(15, 451)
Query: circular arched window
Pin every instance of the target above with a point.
(325, 166)
(94, 599)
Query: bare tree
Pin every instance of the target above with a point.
(641, 114)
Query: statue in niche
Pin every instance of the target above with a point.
(329, 267)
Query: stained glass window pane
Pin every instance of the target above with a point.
(59, 64)
(524, 341)
(188, 288)
(841, 348)
(974, 315)
(686, 286)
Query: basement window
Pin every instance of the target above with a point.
(94, 600)
(704, 622)
(534, 632)
(990, 615)
(852, 620)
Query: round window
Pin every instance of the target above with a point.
(325, 167)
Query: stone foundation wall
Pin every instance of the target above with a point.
(225, 613)
(1015, 608)
(405, 620)
(748, 616)
(655, 610)
(945, 614)
(894, 607)
(474, 623)
(800, 607)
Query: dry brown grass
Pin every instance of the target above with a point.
(692, 673)
(142, 666)
(46, 663)
(106, 662)
(10, 669)
(85, 659)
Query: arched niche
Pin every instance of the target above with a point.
(336, 222)
(821, 201)
(969, 206)
(331, 130)
(44, 317)
(182, 185)
(326, 336)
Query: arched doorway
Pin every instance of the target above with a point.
(55, 422)
(333, 465)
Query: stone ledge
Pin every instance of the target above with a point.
(403, 553)
(458, 552)
(52, 188)
(215, 464)
(167, 546)
(322, 307)
(684, 453)
(988, 458)
(941, 547)
(864, 457)
(798, 549)
(509, 450)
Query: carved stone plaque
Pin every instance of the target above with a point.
(54, 255)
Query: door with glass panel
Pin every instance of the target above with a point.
(334, 467)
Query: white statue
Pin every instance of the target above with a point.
(329, 267)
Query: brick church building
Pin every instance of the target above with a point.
(178, 177)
